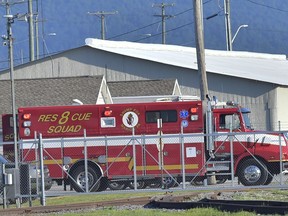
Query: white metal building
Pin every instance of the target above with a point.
(257, 81)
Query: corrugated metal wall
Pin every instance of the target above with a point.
(258, 96)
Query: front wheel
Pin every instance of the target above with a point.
(269, 179)
(79, 179)
(252, 172)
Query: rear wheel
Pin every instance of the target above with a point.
(103, 184)
(252, 172)
(117, 185)
(79, 179)
(167, 182)
(140, 185)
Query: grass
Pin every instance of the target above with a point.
(275, 194)
(152, 212)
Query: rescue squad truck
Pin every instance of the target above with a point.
(111, 154)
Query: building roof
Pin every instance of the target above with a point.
(142, 88)
(50, 91)
(255, 66)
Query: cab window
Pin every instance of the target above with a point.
(228, 120)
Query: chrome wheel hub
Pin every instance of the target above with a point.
(252, 173)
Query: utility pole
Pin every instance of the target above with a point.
(164, 17)
(31, 31)
(228, 25)
(101, 15)
(37, 21)
(206, 101)
(199, 37)
(9, 38)
(37, 29)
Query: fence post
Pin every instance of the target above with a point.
(43, 198)
(182, 158)
(86, 163)
(4, 189)
(134, 159)
(280, 154)
(36, 140)
(231, 151)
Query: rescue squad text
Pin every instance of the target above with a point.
(65, 122)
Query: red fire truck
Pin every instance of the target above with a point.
(112, 155)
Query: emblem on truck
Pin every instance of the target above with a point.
(130, 119)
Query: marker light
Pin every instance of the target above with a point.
(26, 116)
(193, 110)
(107, 112)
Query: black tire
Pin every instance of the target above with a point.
(269, 179)
(140, 185)
(252, 172)
(117, 185)
(221, 181)
(79, 182)
(167, 182)
(103, 184)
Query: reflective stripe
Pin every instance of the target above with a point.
(114, 141)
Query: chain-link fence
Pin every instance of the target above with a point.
(25, 182)
(175, 161)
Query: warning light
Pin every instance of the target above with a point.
(26, 116)
(193, 110)
(107, 112)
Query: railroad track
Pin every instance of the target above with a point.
(167, 201)
(74, 207)
(143, 201)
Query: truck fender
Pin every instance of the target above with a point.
(91, 163)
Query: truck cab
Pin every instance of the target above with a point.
(231, 117)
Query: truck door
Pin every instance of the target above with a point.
(224, 123)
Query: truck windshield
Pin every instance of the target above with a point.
(245, 113)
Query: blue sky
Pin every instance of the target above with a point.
(70, 24)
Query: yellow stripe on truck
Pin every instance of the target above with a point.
(110, 160)
(166, 167)
(131, 163)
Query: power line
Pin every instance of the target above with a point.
(146, 26)
(149, 25)
(267, 6)
(170, 30)
(102, 15)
